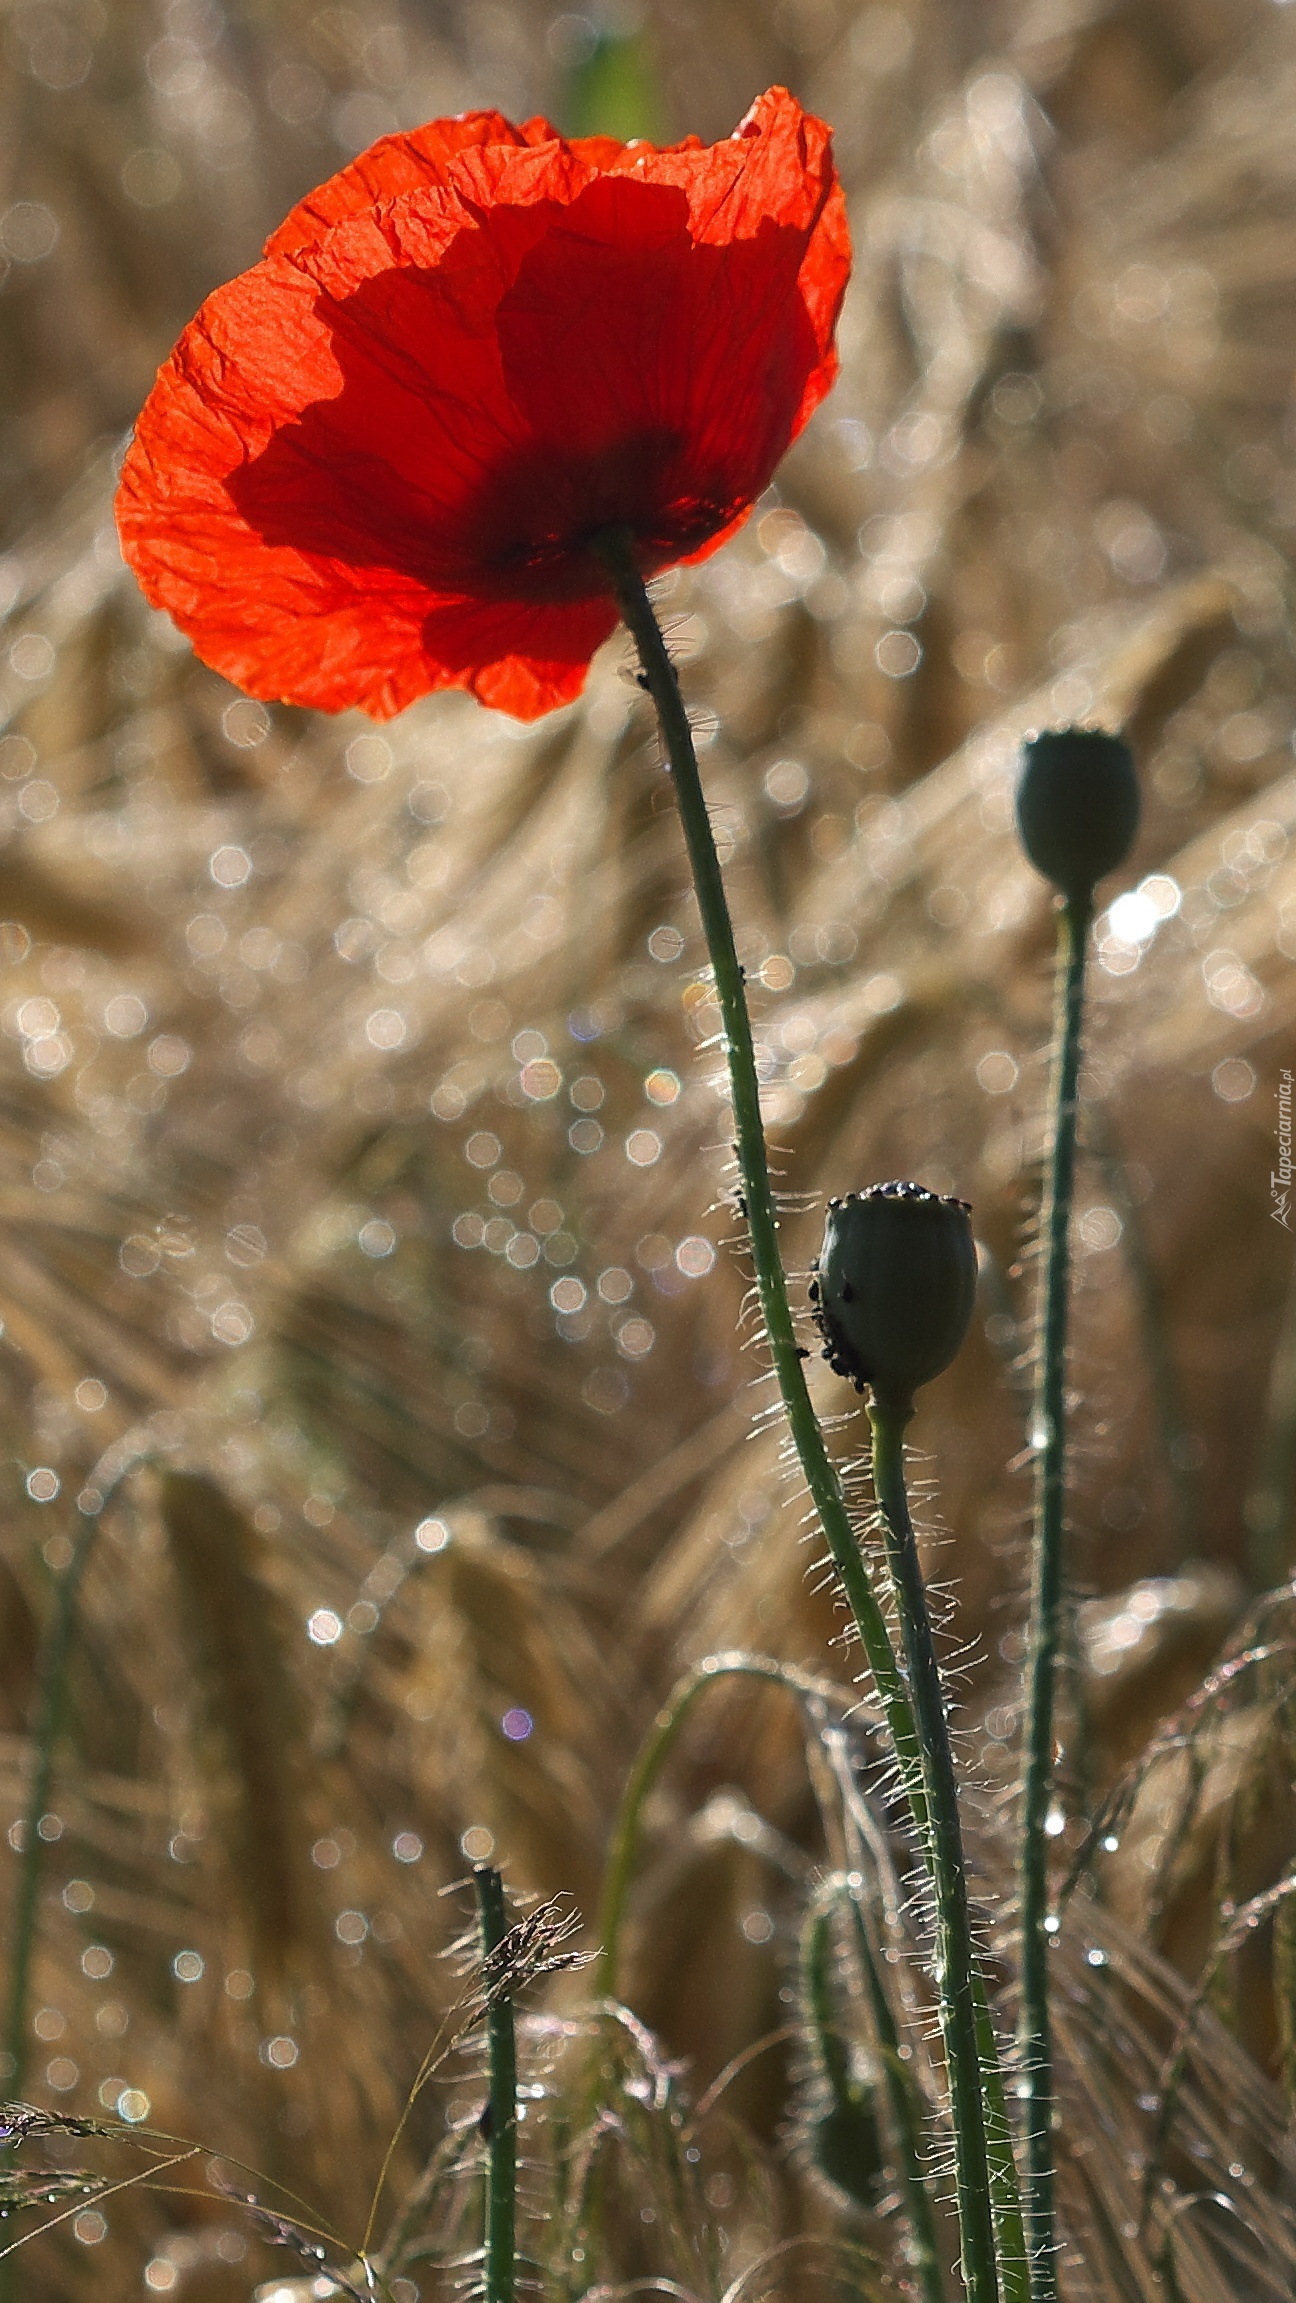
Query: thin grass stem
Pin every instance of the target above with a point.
(906, 2110)
(499, 2258)
(1271, 1498)
(1163, 1375)
(955, 1960)
(831, 2050)
(51, 1694)
(1049, 1439)
(652, 1756)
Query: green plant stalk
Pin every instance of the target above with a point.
(651, 1758)
(817, 1466)
(844, 2133)
(1005, 2192)
(624, 1845)
(906, 2112)
(816, 1985)
(906, 2109)
(955, 1961)
(499, 2254)
(1049, 1436)
(1163, 1377)
(819, 1470)
(51, 1693)
(1272, 1490)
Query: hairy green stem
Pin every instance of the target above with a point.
(819, 1470)
(499, 2120)
(652, 1756)
(955, 1961)
(817, 1466)
(1049, 1439)
(1005, 2191)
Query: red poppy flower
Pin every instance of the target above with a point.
(373, 464)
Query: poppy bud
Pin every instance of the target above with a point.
(895, 1287)
(1077, 806)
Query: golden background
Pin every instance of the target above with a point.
(361, 1170)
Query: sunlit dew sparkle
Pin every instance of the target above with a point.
(1134, 918)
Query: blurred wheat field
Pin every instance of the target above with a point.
(377, 1384)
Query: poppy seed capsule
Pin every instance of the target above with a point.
(895, 1288)
(1077, 806)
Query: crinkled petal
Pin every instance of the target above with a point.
(411, 162)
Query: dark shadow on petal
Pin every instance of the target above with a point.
(563, 369)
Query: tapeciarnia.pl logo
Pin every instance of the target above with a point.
(1280, 1179)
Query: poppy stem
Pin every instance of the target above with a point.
(820, 1472)
(499, 2117)
(955, 1963)
(1049, 1437)
(996, 2176)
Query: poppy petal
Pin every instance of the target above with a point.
(403, 163)
(374, 464)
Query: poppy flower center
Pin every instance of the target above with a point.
(534, 520)
(521, 530)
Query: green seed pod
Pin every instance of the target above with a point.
(1077, 807)
(895, 1288)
